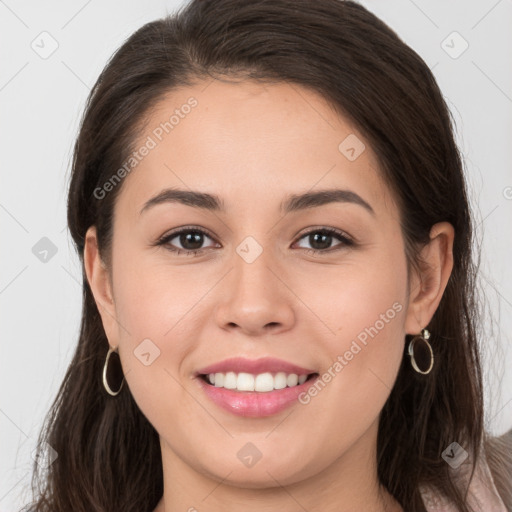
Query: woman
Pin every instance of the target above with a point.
(262, 373)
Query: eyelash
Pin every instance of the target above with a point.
(164, 241)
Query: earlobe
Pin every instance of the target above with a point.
(430, 282)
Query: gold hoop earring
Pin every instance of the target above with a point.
(420, 351)
(117, 370)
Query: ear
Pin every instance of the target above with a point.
(427, 286)
(101, 286)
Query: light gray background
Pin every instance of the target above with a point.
(42, 100)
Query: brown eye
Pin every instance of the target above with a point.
(190, 239)
(321, 240)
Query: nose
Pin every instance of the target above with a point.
(254, 297)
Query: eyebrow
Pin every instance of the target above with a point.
(293, 203)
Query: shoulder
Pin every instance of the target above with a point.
(498, 455)
(490, 489)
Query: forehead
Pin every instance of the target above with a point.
(252, 144)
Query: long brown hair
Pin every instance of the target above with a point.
(108, 453)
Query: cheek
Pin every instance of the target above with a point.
(367, 315)
(156, 334)
(153, 325)
(363, 302)
(151, 297)
(364, 291)
(371, 308)
(362, 364)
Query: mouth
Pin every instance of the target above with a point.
(260, 383)
(255, 396)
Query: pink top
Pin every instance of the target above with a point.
(482, 495)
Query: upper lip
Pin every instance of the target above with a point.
(255, 366)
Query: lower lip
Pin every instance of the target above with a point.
(254, 404)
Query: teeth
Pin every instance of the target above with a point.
(262, 382)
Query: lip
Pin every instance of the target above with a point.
(254, 404)
(254, 366)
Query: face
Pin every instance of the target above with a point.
(268, 281)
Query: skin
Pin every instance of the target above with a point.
(252, 145)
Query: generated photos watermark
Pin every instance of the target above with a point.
(149, 144)
(355, 347)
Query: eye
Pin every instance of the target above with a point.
(322, 237)
(191, 240)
